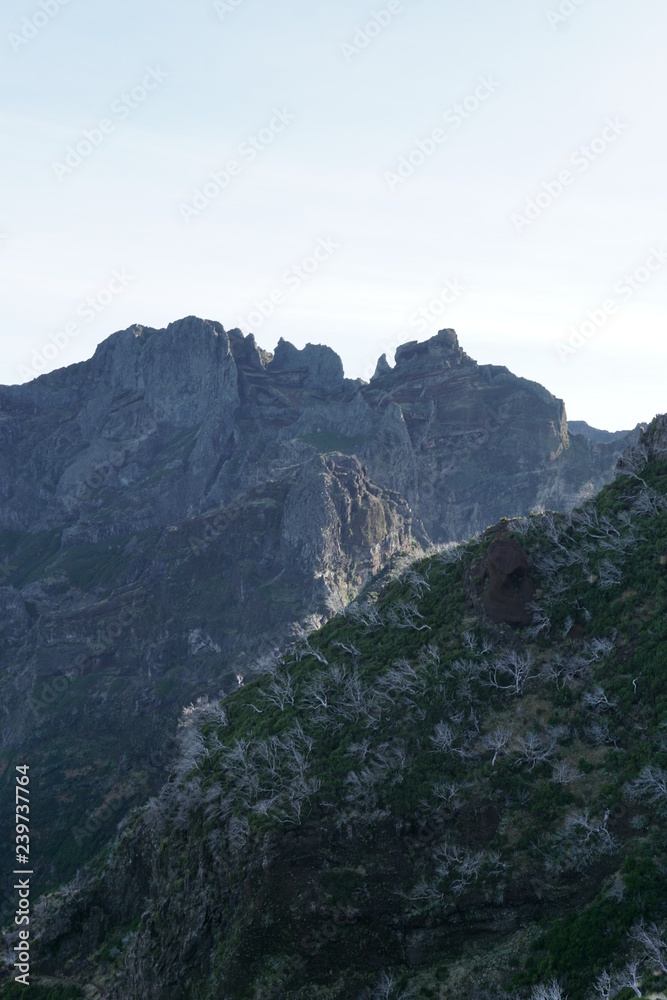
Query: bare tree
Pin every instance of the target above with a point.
(405, 614)
(349, 648)
(595, 650)
(316, 695)
(512, 671)
(649, 503)
(534, 749)
(650, 786)
(416, 581)
(498, 742)
(629, 979)
(386, 989)
(652, 941)
(444, 738)
(359, 749)
(430, 655)
(564, 773)
(464, 866)
(631, 463)
(598, 733)
(448, 792)
(603, 985)
(280, 692)
(550, 523)
(609, 575)
(598, 700)
(582, 839)
(552, 991)
(540, 621)
(470, 640)
(367, 615)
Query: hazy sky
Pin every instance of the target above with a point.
(384, 170)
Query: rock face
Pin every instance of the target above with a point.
(161, 425)
(501, 582)
(101, 650)
(651, 446)
(594, 434)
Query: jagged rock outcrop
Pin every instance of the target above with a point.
(160, 425)
(651, 446)
(500, 581)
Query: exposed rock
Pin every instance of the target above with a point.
(652, 446)
(314, 366)
(594, 434)
(502, 584)
(382, 368)
(162, 425)
(440, 352)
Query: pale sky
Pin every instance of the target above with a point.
(116, 114)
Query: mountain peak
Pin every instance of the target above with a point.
(437, 354)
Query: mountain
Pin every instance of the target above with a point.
(594, 434)
(457, 787)
(173, 510)
(162, 425)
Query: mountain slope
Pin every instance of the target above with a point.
(101, 643)
(456, 788)
(170, 508)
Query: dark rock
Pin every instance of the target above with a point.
(502, 584)
(382, 368)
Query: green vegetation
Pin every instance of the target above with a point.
(38, 991)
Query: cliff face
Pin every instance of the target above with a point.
(102, 643)
(171, 507)
(162, 425)
(651, 447)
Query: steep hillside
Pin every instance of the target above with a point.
(456, 788)
(101, 643)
